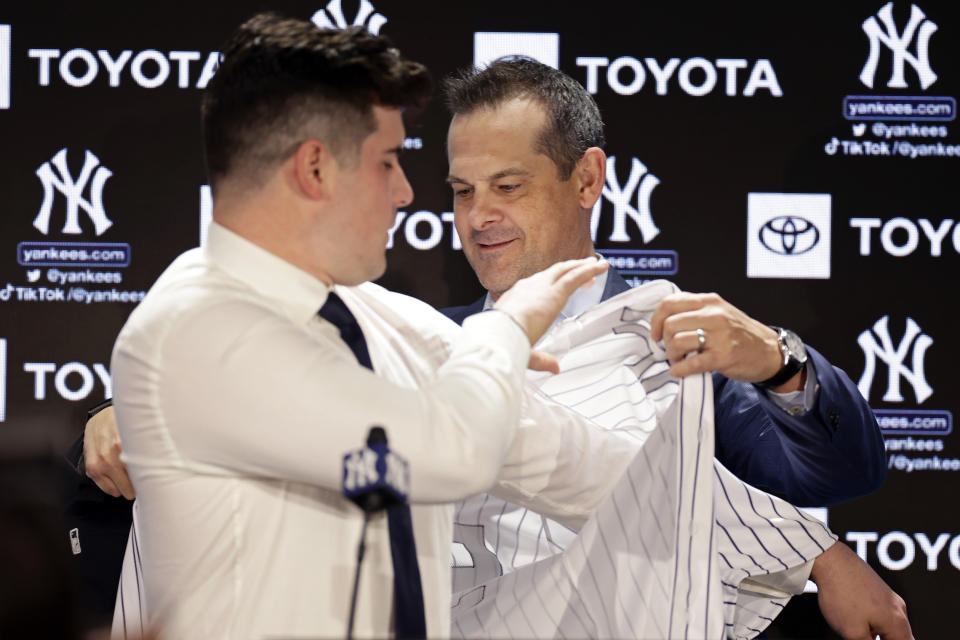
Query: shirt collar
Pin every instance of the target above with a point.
(300, 294)
(578, 302)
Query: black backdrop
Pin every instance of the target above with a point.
(722, 120)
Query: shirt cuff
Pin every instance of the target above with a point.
(781, 584)
(801, 401)
(506, 330)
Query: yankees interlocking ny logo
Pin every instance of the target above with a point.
(895, 358)
(331, 17)
(359, 469)
(73, 192)
(639, 181)
(898, 43)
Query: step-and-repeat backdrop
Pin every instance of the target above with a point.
(802, 160)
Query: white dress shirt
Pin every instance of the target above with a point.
(235, 404)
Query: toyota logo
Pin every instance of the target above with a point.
(789, 235)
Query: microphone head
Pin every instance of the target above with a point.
(374, 477)
(377, 436)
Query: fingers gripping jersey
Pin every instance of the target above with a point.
(666, 555)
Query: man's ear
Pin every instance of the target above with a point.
(314, 170)
(590, 172)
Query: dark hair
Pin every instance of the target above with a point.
(284, 80)
(573, 125)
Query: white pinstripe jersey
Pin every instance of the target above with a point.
(128, 614)
(666, 554)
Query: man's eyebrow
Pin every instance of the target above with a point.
(397, 150)
(512, 171)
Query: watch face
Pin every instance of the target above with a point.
(795, 345)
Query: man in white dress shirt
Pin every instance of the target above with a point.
(236, 401)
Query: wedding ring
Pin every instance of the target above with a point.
(701, 340)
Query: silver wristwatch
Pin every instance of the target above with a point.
(794, 358)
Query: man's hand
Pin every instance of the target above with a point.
(854, 600)
(534, 302)
(735, 344)
(101, 455)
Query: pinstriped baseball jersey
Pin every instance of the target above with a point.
(128, 613)
(667, 554)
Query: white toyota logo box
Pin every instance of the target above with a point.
(788, 235)
(489, 46)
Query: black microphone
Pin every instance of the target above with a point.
(374, 478)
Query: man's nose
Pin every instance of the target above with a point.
(403, 192)
(483, 211)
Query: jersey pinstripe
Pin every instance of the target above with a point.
(667, 554)
(128, 614)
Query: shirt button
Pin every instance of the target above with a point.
(834, 418)
(796, 410)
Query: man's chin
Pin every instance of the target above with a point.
(368, 273)
(496, 284)
(496, 275)
(378, 271)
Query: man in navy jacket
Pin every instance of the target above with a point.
(526, 168)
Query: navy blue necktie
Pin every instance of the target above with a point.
(408, 613)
